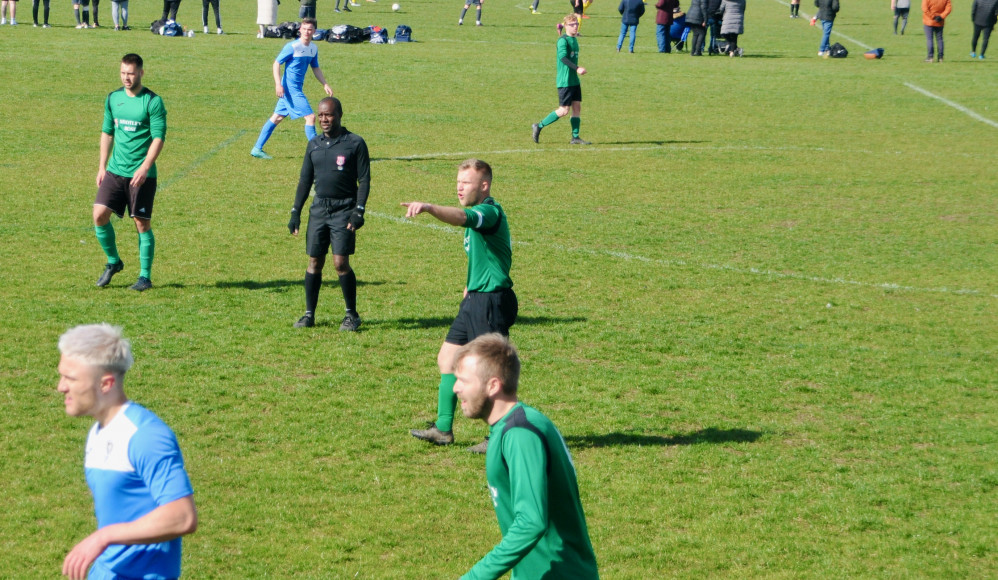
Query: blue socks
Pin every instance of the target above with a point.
(265, 133)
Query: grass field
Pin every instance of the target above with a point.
(761, 307)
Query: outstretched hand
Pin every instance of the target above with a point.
(414, 208)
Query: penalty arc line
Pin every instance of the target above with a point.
(626, 256)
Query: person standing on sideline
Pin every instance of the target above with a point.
(135, 128)
(9, 7)
(170, 8)
(827, 9)
(45, 13)
(900, 8)
(794, 8)
(567, 82)
(297, 57)
(119, 14)
(733, 24)
(715, 13)
(983, 15)
(266, 15)
(532, 481)
(934, 13)
(338, 164)
(696, 19)
(307, 9)
(630, 14)
(489, 303)
(663, 22)
(204, 16)
(143, 497)
(478, 14)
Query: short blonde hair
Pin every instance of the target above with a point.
(98, 345)
(573, 17)
(497, 357)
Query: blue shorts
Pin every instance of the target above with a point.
(293, 104)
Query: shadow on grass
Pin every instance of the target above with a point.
(710, 435)
(440, 322)
(263, 285)
(665, 142)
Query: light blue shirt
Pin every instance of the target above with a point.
(133, 465)
(297, 58)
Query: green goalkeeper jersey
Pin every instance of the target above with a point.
(536, 497)
(133, 122)
(567, 46)
(489, 247)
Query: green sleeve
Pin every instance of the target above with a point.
(108, 125)
(481, 217)
(526, 458)
(157, 118)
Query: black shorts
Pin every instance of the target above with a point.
(482, 313)
(327, 224)
(116, 193)
(568, 95)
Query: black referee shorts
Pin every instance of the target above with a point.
(482, 313)
(327, 225)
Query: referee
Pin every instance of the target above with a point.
(338, 164)
(489, 304)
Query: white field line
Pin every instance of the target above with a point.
(629, 257)
(957, 106)
(183, 171)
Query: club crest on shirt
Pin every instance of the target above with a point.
(340, 161)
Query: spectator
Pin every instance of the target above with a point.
(663, 22)
(983, 14)
(934, 13)
(630, 14)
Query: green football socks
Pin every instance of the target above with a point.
(551, 118)
(446, 402)
(576, 123)
(147, 248)
(105, 237)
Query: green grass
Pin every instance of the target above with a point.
(761, 307)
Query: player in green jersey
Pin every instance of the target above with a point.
(532, 480)
(135, 127)
(489, 303)
(569, 87)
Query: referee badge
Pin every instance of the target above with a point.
(340, 160)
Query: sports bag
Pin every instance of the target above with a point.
(273, 32)
(838, 51)
(403, 33)
(347, 33)
(378, 35)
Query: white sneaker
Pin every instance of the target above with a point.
(3, 21)
(78, 26)
(206, 30)
(478, 23)
(219, 31)
(460, 21)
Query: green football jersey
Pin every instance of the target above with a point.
(535, 493)
(489, 247)
(133, 122)
(567, 46)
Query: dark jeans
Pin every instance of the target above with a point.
(204, 13)
(34, 14)
(715, 33)
(664, 41)
(699, 36)
(973, 46)
(170, 9)
(937, 33)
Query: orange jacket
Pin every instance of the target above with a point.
(940, 8)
